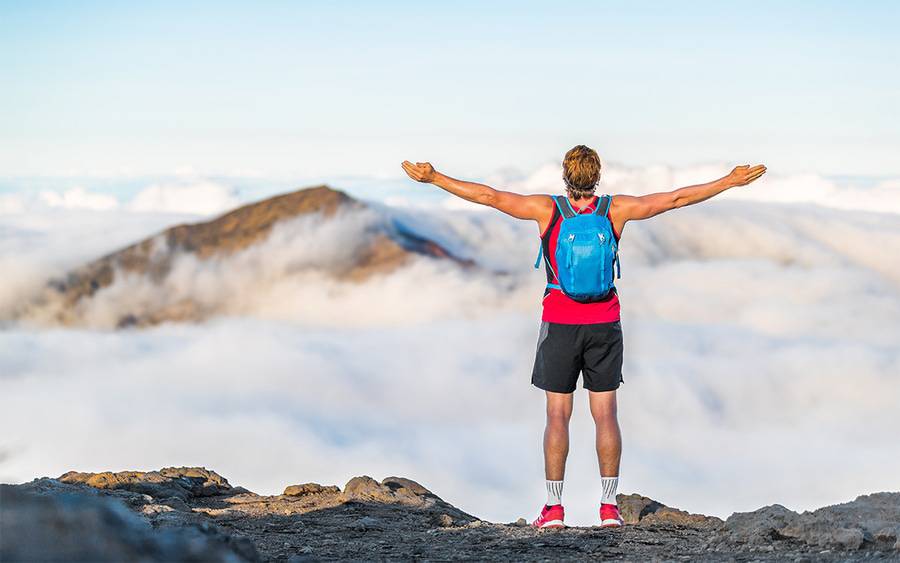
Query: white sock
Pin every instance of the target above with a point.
(610, 484)
(554, 492)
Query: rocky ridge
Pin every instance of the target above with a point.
(193, 514)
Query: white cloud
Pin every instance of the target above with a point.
(202, 198)
(42, 242)
(79, 198)
(11, 204)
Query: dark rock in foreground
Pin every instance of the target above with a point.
(49, 521)
(193, 514)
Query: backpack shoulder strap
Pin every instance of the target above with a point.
(604, 203)
(564, 206)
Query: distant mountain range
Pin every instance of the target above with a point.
(385, 248)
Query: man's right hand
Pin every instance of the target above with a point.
(743, 175)
(420, 171)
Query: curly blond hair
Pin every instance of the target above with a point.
(581, 171)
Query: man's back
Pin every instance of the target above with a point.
(557, 306)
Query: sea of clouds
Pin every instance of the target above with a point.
(761, 339)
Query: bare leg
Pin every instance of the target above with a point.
(609, 438)
(556, 435)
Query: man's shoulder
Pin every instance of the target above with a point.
(545, 201)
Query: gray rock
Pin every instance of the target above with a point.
(152, 509)
(847, 538)
(847, 526)
(49, 522)
(175, 503)
(887, 534)
(368, 523)
(760, 526)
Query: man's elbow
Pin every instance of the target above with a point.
(678, 200)
(487, 196)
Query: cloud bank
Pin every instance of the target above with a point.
(200, 197)
(183, 195)
(760, 340)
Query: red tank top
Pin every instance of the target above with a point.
(558, 308)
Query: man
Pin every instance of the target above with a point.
(575, 336)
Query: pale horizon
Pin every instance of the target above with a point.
(322, 90)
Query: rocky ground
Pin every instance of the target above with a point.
(192, 514)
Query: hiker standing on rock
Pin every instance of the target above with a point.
(580, 327)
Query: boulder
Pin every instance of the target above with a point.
(398, 483)
(759, 527)
(310, 489)
(391, 490)
(404, 493)
(638, 509)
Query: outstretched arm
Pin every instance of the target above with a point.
(536, 207)
(629, 208)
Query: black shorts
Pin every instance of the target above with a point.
(565, 350)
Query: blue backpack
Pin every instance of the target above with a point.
(586, 252)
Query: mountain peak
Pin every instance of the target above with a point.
(377, 248)
(249, 223)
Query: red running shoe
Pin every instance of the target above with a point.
(610, 517)
(551, 517)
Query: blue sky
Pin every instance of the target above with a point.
(335, 88)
